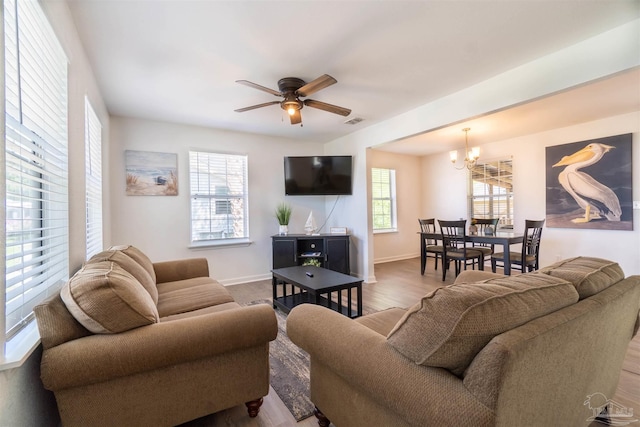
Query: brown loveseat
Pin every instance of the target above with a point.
(128, 342)
(489, 350)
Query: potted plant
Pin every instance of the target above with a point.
(312, 261)
(283, 214)
(473, 228)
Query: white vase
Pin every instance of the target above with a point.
(283, 230)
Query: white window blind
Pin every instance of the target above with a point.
(219, 199)
(491, 191)
(383, 203)
(36, 245)
(93, 179)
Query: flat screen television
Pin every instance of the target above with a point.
(317, 175)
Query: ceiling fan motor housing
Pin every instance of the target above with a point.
(290, 84)
(288, 87)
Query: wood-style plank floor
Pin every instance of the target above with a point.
(399, 284)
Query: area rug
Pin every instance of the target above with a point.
(289, 366)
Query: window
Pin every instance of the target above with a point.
(219, 200)
(491, 191)
(37, 229)
(383, 203)
(93, 179)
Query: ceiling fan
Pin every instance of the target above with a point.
(292, 89)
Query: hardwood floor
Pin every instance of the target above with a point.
(399, 285)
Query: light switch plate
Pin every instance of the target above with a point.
(636, 204)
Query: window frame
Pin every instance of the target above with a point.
(390, 216)
(488, 197)
(211, 188)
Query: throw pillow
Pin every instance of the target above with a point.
(588, 275)
(106, 299)
(139, 257)
(449, 326)
(132, 267)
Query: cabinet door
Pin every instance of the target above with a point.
(284, 252)
(337, 249)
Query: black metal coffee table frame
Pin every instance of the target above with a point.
(315, 285)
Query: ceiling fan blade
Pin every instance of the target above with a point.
(327, 107)
(315, 85)
(253, 107)
(296, 117)
(259, 87)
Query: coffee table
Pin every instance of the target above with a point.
(315, 285)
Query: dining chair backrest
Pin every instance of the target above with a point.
(532, 236)
(453, 234)
(486, 226)
(428, 226)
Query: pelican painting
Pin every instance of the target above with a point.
(596, 199)
(589, 185)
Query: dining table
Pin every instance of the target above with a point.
(503, 238)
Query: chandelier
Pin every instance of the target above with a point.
(470, 157)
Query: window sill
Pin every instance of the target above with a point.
(226, 243)
(385, 231)
(19, 348)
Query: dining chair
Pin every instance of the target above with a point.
(485, 226)
(528, 257)
(455, 248)
(433, 250)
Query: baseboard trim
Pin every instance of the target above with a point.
(246, 279)
(395, 258)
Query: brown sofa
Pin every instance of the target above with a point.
(129, 342)
(489, 350)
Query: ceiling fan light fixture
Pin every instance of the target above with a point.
(291, 104)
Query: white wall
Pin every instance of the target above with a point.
(403, 243)
(159, 225)
(529, 191)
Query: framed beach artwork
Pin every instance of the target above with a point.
(151, 174)
(589, 184)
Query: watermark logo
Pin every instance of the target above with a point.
(608, 412)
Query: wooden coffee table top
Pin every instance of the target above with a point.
(323, 280)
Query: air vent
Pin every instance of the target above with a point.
(354, 121)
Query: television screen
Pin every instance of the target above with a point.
(317, 175)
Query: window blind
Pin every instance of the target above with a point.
(383, 207)
(219, 197)
(93, 180)
(491, 191)
(36, 245)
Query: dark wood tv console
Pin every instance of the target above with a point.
(331, 250)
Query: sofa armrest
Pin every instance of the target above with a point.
(172, 271)
(364, 359)
(99, 358)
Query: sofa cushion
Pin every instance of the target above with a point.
(202, 311)
(139, 257)
(382, 321)
(449, 326)
(190, 294)
(588, 275)
(132, 267)
(106, 299)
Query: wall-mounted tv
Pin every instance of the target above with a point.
(317, 175)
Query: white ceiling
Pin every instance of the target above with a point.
(178, 60)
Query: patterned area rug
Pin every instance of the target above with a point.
(289, 365)
(289, 369)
